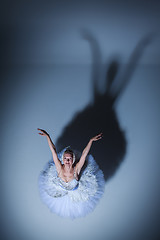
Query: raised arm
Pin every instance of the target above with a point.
(85, 152)
(52, 148)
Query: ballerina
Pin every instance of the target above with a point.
(72, 183)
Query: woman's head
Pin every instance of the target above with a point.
(68, 156)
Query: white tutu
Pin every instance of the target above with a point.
(75, 198)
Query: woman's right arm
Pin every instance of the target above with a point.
(52, 148)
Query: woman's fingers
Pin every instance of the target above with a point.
(97, 137)
(42, 132)
(100, 134)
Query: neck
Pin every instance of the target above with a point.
(67, 168)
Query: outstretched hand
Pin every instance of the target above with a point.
(97, 137)
(42, 132)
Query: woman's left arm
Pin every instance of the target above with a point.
(85, 152)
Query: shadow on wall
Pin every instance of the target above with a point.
(100, 116)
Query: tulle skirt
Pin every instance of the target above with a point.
(76, 198)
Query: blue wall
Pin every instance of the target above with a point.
(47, 77)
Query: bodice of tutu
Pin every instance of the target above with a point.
(69, 186)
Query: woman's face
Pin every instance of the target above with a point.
(67, 159)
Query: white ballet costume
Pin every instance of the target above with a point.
(72, 199)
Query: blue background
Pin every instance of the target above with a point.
(46, 78)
